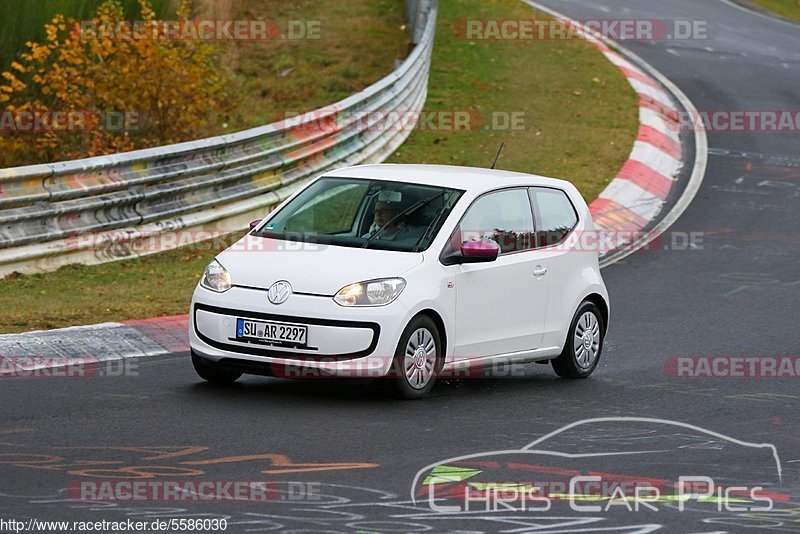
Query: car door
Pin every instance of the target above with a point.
(501, 305)
(556, 219)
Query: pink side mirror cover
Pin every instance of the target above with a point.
(480, 249)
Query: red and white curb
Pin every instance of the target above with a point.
(638, 193)
(636, 197)
(24, 355)
(630, 202)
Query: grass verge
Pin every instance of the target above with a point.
(153, 286)
(581, 120)
(786, 8)
(360, 40)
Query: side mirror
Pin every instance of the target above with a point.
(255, 223)
(471, 252)
(479, 251)
(474, 252)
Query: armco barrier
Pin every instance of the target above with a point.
(218, 183)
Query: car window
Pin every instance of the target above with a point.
(359, 212)
(555, 216)
(332, 212)
(503, 217)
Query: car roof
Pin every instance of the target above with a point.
(471, 179)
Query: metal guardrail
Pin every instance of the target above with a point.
(120, 198)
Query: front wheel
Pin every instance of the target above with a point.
(211, 372)
(417, 359)
(584, 343)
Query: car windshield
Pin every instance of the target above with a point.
(354, 212)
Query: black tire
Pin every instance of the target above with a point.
(210, 372)
(568, 364)
(403, 386)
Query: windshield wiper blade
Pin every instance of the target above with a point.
(430, 227)
(408, 211)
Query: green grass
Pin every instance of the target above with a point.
(581, 113)
(582, 120)
(787, 8)
(24, 20)
(157, 285)
(360, 42)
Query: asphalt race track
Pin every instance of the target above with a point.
(359, 451)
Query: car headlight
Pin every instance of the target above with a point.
(216, 277)
(370, 293)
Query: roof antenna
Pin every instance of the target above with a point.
(497, 157)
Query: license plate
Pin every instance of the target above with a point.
(269, 332)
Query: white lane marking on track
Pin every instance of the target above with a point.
(757, 14)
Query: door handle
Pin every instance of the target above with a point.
(539, 271)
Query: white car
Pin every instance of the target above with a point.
(407, 272)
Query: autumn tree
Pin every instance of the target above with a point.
(117, 92)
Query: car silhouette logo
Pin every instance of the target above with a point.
(279, 292)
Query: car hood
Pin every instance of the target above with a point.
(310, 268)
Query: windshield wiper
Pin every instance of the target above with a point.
(408, 211)
(430, 227)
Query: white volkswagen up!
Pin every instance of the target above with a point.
(407, 272)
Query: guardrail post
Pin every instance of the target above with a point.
(418, 11)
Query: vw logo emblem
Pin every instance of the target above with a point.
(279, 292)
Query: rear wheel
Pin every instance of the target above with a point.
(584, 343)
(417, 358)
(211, 372)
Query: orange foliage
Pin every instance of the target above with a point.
(167, 90)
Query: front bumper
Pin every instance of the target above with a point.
(358, 342)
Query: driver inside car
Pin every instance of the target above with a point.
(383, 213)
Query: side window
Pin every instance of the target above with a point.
(555, 216)
(503, 217)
